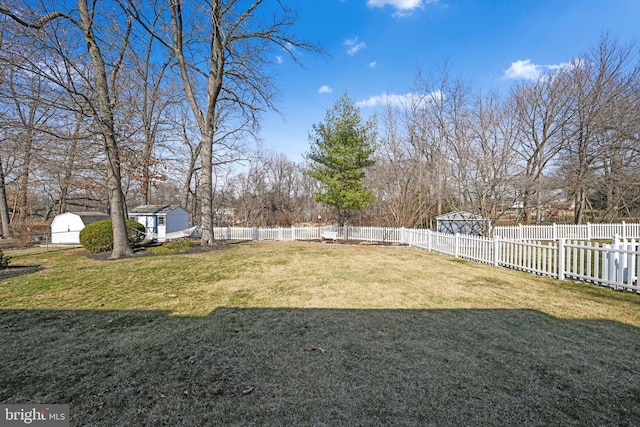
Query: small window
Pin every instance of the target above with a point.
(161, 220)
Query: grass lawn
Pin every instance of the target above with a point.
(294, 333)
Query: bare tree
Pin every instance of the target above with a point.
(4, 208)
(227, 66)
(493, 139)
(602, 80)
(399, 177)
(85, 23)
(31, 114)
(542, 110)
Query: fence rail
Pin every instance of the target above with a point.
(615, 265)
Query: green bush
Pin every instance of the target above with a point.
(98, 236)
(4, 260)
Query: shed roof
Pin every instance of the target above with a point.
(154, 209)
(89, 217)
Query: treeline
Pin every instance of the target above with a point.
(103, 102)
(561, 148)
(563, 145)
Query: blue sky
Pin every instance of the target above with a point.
(374, 49)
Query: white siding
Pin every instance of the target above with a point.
(66, 227)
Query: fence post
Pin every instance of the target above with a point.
(293, 232)
(429, 240)
(624, 230)
(228, 233)
(496, 251)
(560, 265)
(554, 234)
(519, 231)
(255, 233)
(589, 231)
(457, 245)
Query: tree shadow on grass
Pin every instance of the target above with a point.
(322, 367)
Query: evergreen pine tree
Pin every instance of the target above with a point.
(341, 149)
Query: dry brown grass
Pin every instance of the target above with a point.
(292, 333)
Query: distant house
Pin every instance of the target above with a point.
(66, 227)
(462, 222)
(160, 220)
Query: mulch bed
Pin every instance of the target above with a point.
(195, 248)
(18, 270)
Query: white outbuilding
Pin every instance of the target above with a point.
(161, 220)
(66, 227)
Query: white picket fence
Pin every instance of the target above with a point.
(615, 265)
(568, 231)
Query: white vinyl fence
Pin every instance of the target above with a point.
(615, 265)
(568, 231)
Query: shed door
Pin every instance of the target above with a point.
(162, 226)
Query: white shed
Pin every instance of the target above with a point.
(65, 228)
(160, 220)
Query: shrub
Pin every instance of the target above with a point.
(4, 260)
(98, 236)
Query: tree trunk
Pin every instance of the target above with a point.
(4, 208)
(117, 206)
(206, 188)
(23, 192)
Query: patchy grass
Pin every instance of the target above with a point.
(170, 248)
(286, 333)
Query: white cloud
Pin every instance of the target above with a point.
(391, 99)
(354, 45)
(402, 7)
(523, 70)
(325, 89)
(401, 101)
(526, 70)
(373, 64)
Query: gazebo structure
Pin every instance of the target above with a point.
(462, 222)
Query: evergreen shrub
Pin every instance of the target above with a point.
(98, 236)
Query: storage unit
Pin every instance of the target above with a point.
(160, 220)
(66, 227)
